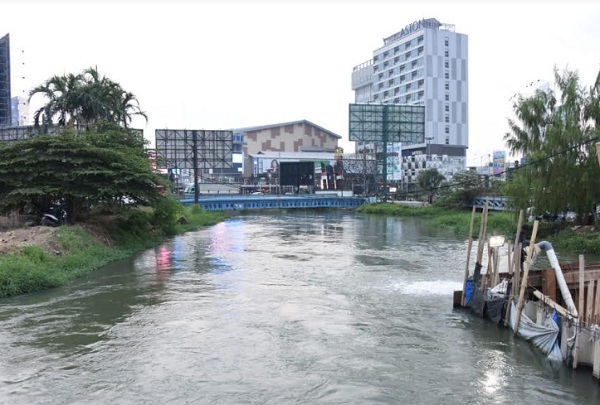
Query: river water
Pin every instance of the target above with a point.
(302, 308)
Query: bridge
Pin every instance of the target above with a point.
(496, 202)
(261, 202)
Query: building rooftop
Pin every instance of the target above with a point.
(282, 124)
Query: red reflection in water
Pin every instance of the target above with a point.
(163, 263)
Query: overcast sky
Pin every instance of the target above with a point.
(229, 64)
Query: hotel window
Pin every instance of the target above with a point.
(408, 98)
(402, 68)
(420, 39)
(380, 76)
(385, 54)
(446, 53)
(446, 75)
(385, 64)
(385, 93)
(391, 82)
(376, 96)
(446, 42)
(390, 72)
(447, 86)
(380, 86)
(446, 64)
(447, 97)
(447, 129)
(396, 49)
(421, 83)
(375, 58)
(397, 59)
(408, 86)
(397, 90)
(407, 55)
(414, 63)
(447, 119)
(407, 45)
(447, 140)
(401, 78)
(397, 100)
(420, 51)
(447, 108)
(414, 74)
(375, 68)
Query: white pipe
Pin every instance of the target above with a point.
(560, 278)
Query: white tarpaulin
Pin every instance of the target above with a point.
(544, 336)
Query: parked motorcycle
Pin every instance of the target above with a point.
(55, 217)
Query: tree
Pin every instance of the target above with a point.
(554, 132)
(84, 100)
(429, 180)
(78, 170)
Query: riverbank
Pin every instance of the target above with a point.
(563, 235)
(38, 258)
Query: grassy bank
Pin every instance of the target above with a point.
(563, 236)
(92, 244)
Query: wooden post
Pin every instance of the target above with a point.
(589, 310)
(580, 309)
(549, 283)
(525, 274)
(496, 278)
(465, 278)
(597, 305)
(509, 257)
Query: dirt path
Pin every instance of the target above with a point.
(12, 240)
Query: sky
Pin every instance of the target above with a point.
(231, 64)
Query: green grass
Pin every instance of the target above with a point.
(560, 234)
(34, 269)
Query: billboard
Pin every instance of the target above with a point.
(194, 149)
(5, 103)
(499, 162)
(387, 123)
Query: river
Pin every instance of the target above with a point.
(299, 308)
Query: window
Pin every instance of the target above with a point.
(397, 90)
(385, 54)
(408, 98)
(401, 78)
(447, 108)
(407, 45)
(421, 83)
(446, 64)
(397, 59)
(420, 39)
(397, 100)
(447, 86)
(414, 74)
(390, 72)
(375, 68)
(408, 86)
(446, 42)
(385, 64)
(402, 68)
(420, 51)
(407, 55)
(447, 97)
(385, 93)
(376, 96)
(414, 63)
(446, 53)
(380, 76)
(447, 140)
(447, 129)
(447, 119)
(391, 82)
(380, 86)
(396, 50)
(421, 93)
(446, 75)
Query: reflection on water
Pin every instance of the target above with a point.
(310, 308)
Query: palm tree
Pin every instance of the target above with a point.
(429, 180)
(84, 100)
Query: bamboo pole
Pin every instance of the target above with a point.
(589, 311)
(466, 277)
(496, 278)
(513, 266)
(525, 274)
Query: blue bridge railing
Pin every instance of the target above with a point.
(255, 202)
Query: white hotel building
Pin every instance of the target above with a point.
(425, 63)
